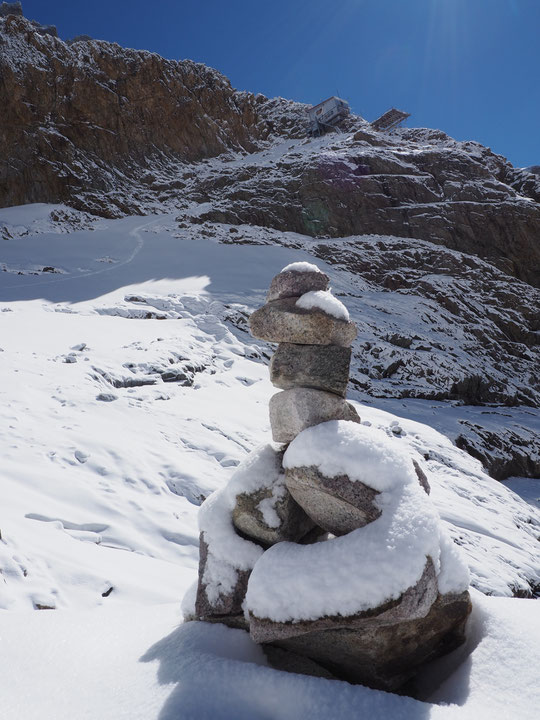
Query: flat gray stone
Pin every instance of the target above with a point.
(337, 504)
(228, 607)
(282, 321)
(323, 367)
(292, 411)
(294, 524)
(384, 647)
(293, 283)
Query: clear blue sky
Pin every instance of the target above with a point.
(468, 67)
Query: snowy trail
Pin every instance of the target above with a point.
(139, 242)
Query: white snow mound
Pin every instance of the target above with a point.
(341, 447)
(301, 266)
(325, 301)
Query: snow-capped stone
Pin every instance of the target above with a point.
(362, 453)
(301, 266)
(223, 604)
(283, 321)
(336, 504)
(323, 367)
(268, 513)
(295, 280)
(325, 301)
(390, 592)
(294, 410)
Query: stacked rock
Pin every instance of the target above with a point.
(367, 587)
(311, 364)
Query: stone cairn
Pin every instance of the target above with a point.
(265, 504)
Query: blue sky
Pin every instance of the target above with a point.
(468, 67)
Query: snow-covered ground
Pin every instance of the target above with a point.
(130, 389)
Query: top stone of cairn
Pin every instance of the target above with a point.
(297, 279)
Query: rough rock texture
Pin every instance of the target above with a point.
(422, 477)
(336, 504)
(228, 607)
(422, 624)
(293, 525)
(312, 366)
(283, 321)
(292, 411)
(92, 124)
(293, 283)
(415, 183)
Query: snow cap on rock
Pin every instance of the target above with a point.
(325, 301)
(295, 280)
(365, 454)
(301, 266)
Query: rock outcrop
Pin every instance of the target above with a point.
(92, 124)
(368, 587)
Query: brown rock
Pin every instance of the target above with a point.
(384, 647)
(292, 411)
(294, 524)
(228, 607)
(282, 321)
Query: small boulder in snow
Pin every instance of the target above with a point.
(336, 504)
(294, 410)
(271, 515)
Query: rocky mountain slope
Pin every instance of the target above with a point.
(113, 130)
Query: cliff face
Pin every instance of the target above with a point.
(83, 120)
(413, 183)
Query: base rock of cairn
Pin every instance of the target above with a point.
(384, 593)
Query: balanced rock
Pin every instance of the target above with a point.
(297, 279)
(284, 321)
(324, 367)
(336, 504)
(294, 410)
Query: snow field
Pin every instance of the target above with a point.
(325, 301)
(99, 495)
(140, 663)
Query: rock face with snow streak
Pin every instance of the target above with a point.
(383, 596)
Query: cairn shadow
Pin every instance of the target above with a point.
(219, 673)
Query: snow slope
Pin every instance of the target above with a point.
(131, 390)
(139, 663)
(134, 390)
